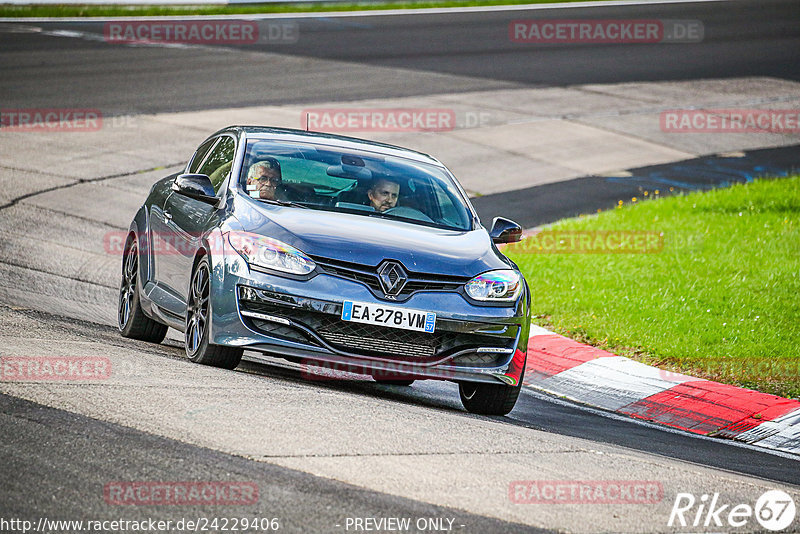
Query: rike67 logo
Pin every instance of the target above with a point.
(774, 510)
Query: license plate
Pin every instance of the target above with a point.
(391, 316)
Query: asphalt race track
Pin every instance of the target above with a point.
(409, 55)
(322, 451)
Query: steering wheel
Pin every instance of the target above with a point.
(408, 213)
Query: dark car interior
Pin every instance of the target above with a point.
(334, 181)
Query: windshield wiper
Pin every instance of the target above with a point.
(283, 203)
(431, 224)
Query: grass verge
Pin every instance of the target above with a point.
(60, 10)
(719, 300)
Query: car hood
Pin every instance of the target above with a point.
(370, 240)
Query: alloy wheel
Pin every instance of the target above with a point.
(197, 312)
(128, 287)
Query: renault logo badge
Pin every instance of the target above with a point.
(393, 277)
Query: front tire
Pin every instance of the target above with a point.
(488, 399)
(198, 318)
(131, 320)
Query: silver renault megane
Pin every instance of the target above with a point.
(330, 251)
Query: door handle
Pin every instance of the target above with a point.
(167, 215)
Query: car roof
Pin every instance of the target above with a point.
(332, 140)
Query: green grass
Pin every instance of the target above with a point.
(57, 10)
(721, 300)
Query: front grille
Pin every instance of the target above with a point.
(373, 340)
(368, 275)
(383, 346)
(368, 279)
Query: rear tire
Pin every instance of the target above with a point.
(488, 399)
(131, 320)
(198, 318)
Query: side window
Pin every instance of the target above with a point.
(201, 154)
(218, 163)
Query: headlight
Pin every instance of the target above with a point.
(270, 253)
(495, 286)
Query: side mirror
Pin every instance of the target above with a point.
(196, 186)
(505, 231)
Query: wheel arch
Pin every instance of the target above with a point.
(139, 228)
(212, 247)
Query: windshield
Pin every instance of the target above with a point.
(361, 183)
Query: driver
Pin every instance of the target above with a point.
(383, 194)
(264, 179)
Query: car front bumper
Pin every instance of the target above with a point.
(301, 320)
